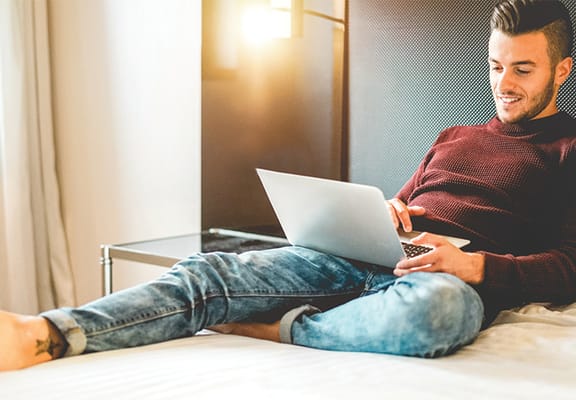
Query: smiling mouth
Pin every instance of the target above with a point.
(507, 100)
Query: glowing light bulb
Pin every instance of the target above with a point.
(260, 24)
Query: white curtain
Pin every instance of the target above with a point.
(35, 272)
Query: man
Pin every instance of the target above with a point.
(507, 185)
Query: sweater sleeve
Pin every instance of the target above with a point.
(408, 188)
(404, 193)
(545, 273)
(547, 276)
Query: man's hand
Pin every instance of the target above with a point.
(445, 257)
(401, 213)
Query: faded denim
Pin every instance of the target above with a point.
(364, 308)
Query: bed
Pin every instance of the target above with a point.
(528, 353)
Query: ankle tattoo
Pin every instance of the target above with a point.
(54, 348)
(55, 344)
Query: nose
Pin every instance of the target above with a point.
(505, 81)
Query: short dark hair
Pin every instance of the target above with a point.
(515, 17)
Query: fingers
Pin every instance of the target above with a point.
(433, 261)
(429, 239)
(416, 210)
(402, 272)
(424, 261)
(401, 213)
(444, 257)
(393, 213)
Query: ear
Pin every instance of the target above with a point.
(563, 70)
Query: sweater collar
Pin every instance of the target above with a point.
(530, 127)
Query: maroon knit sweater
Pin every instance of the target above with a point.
(511, 190)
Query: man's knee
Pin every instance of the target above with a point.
(442, 313)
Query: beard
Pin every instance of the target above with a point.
(536, 105)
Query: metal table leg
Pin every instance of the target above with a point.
(106, 263)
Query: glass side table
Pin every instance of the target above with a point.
(166, 252)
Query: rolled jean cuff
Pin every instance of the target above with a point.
(72, 332)
(289, 318)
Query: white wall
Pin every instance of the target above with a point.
(126, 83)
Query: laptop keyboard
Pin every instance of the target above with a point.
(413, 250)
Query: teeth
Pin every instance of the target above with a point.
(509, 100)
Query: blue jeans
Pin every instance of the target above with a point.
(364, 307)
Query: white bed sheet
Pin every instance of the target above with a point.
(526, 354)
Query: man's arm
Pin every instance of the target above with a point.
(445, 257)
(546, 276)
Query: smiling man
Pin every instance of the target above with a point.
(507, 186)
(527, 66)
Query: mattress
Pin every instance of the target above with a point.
(528, 353)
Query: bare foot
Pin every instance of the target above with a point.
(251, 329)
(27, 341)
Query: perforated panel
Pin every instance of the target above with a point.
(567, 98)
(416, 67)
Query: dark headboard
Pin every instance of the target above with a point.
(416, 67)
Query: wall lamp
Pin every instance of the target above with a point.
(227, 23)
(271, 19)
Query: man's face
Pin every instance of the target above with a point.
(524, 80)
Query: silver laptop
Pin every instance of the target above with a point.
(340, 218)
